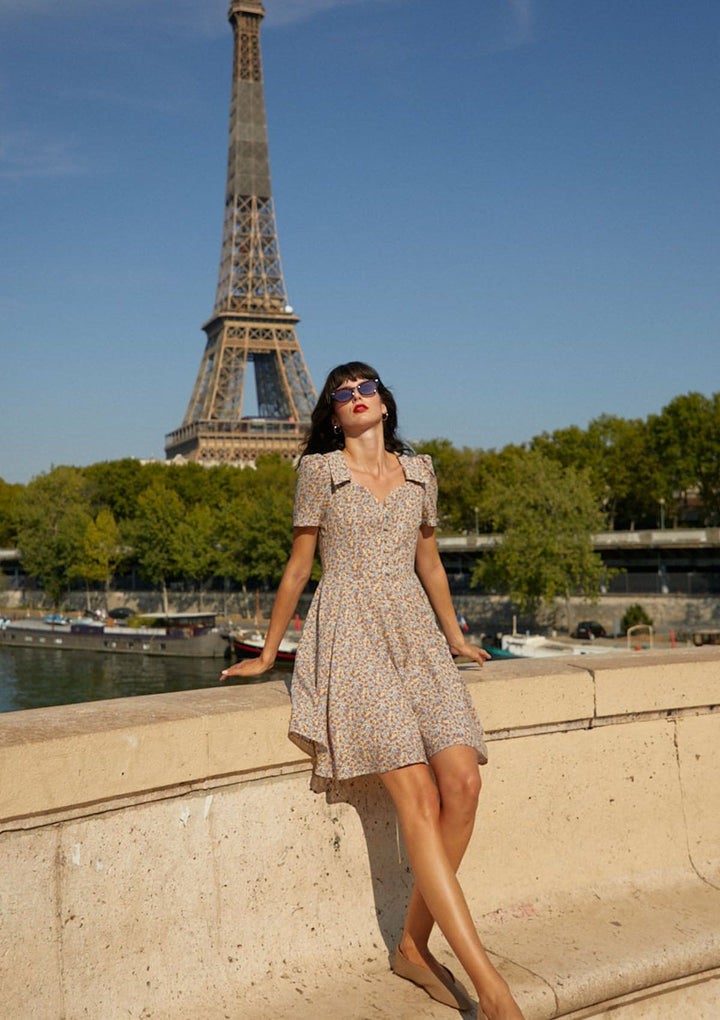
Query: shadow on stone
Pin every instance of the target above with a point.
(389, 868)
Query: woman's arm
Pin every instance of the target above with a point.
(294, 579)
(433, 578)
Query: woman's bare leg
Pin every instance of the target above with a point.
(458, 780)
(417, 802)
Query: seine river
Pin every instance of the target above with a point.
(38, 677)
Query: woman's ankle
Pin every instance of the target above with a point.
(413, 951)
(497, 1001)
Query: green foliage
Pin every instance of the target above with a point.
(156, 533)
(53, 514)
(635, 615)
(194, 523)
(459, 475)
(623, 465)
(265, 539)
(686, 438)
(200, 554)
(101, 550)
(546, 515)
(257, 524)
(10, 496)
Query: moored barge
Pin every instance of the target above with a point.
(178, 634)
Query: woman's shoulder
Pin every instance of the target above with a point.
(312, 461)
(419, 464)
(314, 466)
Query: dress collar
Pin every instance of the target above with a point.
(413, 468)
(340, 472)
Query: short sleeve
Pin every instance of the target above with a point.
(429, 511)
(312, 491)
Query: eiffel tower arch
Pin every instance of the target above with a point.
(252, 321)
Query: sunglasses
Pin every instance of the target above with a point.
(365, 389)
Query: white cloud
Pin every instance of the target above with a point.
(30, 154)
(523, 20)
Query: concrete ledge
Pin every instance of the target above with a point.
(681, 679)
(163, 856)
(79, 755)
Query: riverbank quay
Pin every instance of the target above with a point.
(487, 614)
(164, 856)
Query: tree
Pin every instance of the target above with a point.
(101, 551)
(199, 555)
(156, 535)
(629, 475)
(116, 485)
(257, 525)
(265, 540)
(458, 483)
(547, 515)
(622, 465)
(685, 436)
(570, 446)
(53, 515)
(9, 499)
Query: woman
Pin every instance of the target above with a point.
(375, 690)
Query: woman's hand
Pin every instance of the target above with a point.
(468, 651)
(248, 667)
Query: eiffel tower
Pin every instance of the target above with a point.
(252, 320)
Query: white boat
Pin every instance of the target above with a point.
(535, 646)
(249, 646)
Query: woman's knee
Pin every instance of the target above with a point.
(415, 795)
(460, 787)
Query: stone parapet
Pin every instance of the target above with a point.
(164, 857)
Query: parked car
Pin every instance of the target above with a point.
(121, 613)
(589, 629)
(55, 618)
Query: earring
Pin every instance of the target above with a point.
(385, 416)
(337, 430)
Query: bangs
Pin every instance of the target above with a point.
(350, 370)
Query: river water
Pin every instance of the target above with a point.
(39, 677)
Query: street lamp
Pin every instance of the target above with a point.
(477, 527)
(661, 501)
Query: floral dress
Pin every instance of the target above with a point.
(374, 686)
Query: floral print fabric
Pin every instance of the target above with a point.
(374, 686)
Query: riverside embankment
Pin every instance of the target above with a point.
(487, 613)
(163, 856)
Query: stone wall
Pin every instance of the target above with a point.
(164, 856)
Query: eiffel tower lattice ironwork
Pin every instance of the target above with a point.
(251, 320)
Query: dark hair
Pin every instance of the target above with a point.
(321, 437)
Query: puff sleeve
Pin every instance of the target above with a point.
(312, 491)
(429, 511)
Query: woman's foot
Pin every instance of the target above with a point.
(426, 972)
(497, 1002)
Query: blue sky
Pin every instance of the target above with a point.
(510, 207)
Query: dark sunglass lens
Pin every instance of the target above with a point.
(367, 388)
(342, 396)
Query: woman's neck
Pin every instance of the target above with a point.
(367, 453)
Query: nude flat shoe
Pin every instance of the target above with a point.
(451, 993)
